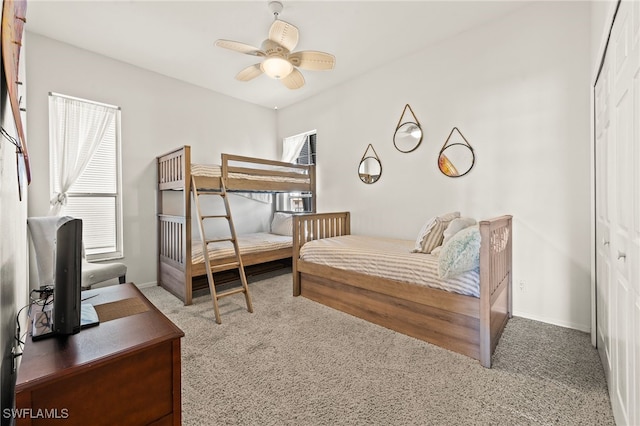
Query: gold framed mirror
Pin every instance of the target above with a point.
(408, 134)
(370, 167)
(456, 158)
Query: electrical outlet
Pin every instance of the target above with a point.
(521, 284)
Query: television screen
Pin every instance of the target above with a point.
(68, 277)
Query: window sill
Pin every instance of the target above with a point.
(104, 258)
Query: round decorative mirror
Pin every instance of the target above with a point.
(370, 168)
(456, 159)
(408, 134)
(407, 137)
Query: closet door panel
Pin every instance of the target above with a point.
(603, 237)
(617, 151)
(625, 55)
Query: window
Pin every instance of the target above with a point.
(298, 149)
(86, 134)
(308, 152)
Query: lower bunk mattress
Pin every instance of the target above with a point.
(387, 258)
(249, 244)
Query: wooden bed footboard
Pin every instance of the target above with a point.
(464, 324)
(174, 256)
(496, 279)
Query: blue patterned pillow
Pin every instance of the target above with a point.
(460, 254)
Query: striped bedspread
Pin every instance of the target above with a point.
(249, 243)
(209, 170)
(387, 258)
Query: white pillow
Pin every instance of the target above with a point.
(460, 254)
(430, 235)
(282, 224)
(455, 226)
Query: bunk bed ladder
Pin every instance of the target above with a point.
(215, 296)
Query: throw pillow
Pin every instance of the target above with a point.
(460, 254)
(455, 226)
(431, 234)
(282, 224)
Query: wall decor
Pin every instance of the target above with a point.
(370, 167)
(408, 134)
(456, 158)
(14, 14)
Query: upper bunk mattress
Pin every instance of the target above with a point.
(248, 243)
(387, 258)
(213, 170)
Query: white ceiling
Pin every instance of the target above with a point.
(175, 38)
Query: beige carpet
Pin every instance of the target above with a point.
(296, 362)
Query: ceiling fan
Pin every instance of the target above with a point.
(279, 61)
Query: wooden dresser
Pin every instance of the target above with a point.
(125, 371)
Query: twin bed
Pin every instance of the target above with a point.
(378, 280)
(180, 256)
(381, 281)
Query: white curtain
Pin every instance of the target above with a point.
(292, 146)
(76, 129)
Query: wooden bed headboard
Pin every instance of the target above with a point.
(315, 226)
(174, 169)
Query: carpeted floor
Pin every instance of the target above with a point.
(296, 362)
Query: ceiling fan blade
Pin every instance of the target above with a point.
(284, 33)
(295, 80)
(239, 47)
(312, 60)
(249, 73)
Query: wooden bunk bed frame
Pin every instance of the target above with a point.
(464, 324)
(175, 268)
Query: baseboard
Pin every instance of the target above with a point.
(566, 324)
(147, 285)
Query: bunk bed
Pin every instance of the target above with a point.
(463, 323)
(176, 263)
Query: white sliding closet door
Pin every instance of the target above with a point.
(603, 232)
(617, 151)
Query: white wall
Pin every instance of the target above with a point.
(518, 89)
(158, 115)
(13, 249)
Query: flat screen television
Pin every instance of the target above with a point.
(65, 315)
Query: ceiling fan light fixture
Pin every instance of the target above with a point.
(279, 61)
(276, 67)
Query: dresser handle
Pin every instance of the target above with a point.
(621, 255)
(605, 242)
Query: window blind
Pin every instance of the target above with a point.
(95, 196)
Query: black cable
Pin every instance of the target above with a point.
(11, 139)
(17, 336)
(45, 298)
